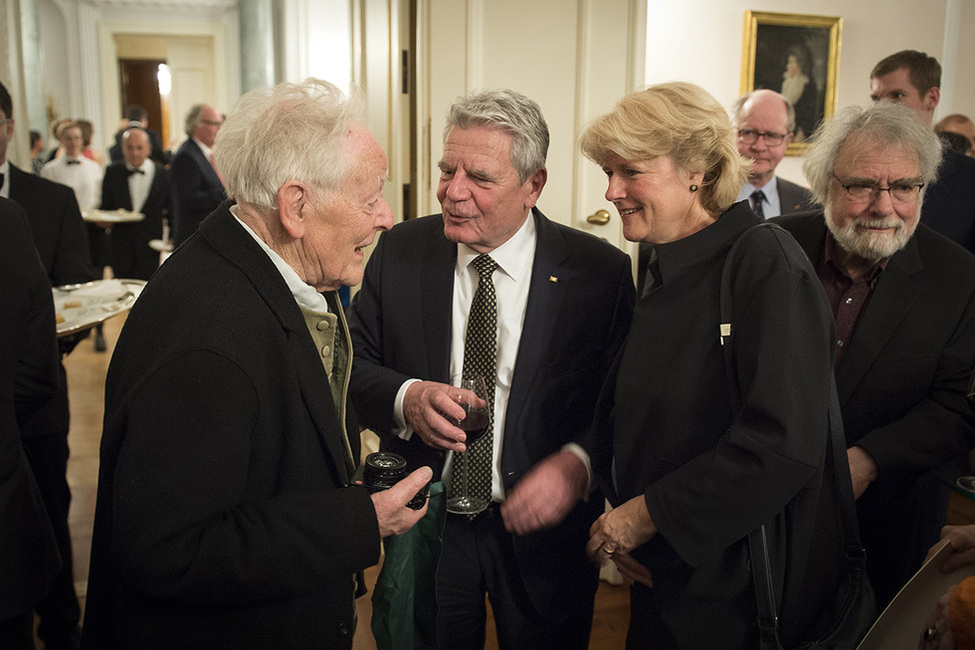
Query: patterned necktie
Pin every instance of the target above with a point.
(481, 357)
(757, 197)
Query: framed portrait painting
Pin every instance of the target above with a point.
(799, 56)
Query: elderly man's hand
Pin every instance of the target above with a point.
(426, 407)
(863, 470)
(618, 532)
(391, 512)
(962, 540)
(546, 494)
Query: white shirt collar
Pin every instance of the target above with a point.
(514, 257)
(5, 187)
(205, 149)
(305, 295)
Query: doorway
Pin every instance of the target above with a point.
(138, 84)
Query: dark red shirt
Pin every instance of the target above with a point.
(847, 298)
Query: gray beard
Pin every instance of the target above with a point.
(871, 246)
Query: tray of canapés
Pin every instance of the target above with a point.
(112, 216)
(80, 306)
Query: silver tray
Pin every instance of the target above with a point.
(112, 216)
(80, 306)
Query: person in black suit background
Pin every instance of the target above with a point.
(903, 297)
(227, 515)
(138, 116)
(197, 187)
(564, 304)
(139, 184)
(913, 79)
(62, 244)
(28, 377)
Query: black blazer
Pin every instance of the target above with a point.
(579, 307)
(902, 386)
(225, 516)
(28, 377)
(949, 204)
(793, 198)
(129, 252)
(196, 188)
(61, 240)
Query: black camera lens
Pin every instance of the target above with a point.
(382, 470)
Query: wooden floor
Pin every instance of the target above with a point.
(86, 386)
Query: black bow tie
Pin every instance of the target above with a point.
(73, 161)
(134, 171)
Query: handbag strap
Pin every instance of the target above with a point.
(836, 447)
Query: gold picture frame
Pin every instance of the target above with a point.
(799, 56)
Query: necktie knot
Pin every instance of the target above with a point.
(484, 265)
(758, 196)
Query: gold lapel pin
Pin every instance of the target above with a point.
(552, 278)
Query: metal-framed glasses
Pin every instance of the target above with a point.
(748, 136)
(903, 191)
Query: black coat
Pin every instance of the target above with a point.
(129, 252)
(28, 377)
(710, 474)
(902, 388)
(225, 516)
(196, 187)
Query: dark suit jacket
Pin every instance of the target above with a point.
(949, 204)
(129, 252)
(793, 198)
(61, 241)
(902, 386)
(28, 377)
(196, 188)
(225, 516)
(579, 307)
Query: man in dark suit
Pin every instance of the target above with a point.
(28, 378)
(913, 79)
(197, 186)
(138, 117)
(139, 184)
(227, 515)
(62, 243)
(904, 301)
(766, 123)
(564, 302)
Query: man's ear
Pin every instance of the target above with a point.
(931, 98)
(292, 198)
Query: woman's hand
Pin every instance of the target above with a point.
(618, 532)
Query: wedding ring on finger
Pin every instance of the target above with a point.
(608, 550)
(931, 633)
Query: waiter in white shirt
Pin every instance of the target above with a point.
(138, 184)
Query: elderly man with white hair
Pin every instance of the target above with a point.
(903, 297)
(227, 515)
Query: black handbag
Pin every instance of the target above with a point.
(848, 617)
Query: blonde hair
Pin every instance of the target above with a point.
(679, 120)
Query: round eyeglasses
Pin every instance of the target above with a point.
(861, 192)
(748, 136)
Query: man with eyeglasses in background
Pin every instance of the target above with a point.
(766, 123)
(197, 186)
(903, 297)
(913, 79)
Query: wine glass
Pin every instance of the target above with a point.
(475, 424)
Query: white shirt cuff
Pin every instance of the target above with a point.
(404, 430)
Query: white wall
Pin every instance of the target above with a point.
(701, 41)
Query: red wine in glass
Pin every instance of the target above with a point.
(475, 424)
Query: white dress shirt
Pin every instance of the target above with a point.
(5, 185)
(771, 206)
(83, 176)
(139, 184)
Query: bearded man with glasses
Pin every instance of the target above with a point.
(903, 297)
